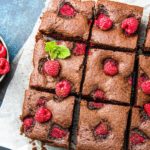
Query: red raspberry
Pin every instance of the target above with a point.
(43, 115)
(27, 123)
(41, 102)
(110, 67)
(57, 133)
(51, 67)
(136, 138)
(67, 10)
(142, 79)
(4, 66)
(98, 94)
(79, 49)
(103, 22)
(3, 51)
(146, 87)
(101, 130)
(130, 25)
(63, 88)
(93, 105)
(147, 109)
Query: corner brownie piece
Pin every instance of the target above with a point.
(46, 118)
(116, 25)
(108, 75)
(69, 19)
(101, 127)
(139, 130)
(70, 69)
(143, 83)
(147, 40)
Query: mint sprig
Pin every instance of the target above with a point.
(57, 51)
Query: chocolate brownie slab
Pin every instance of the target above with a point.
(116, 25)
(46, 118)
(108, 75)
(69, 69)
(147, 40)
(143, 85)
(69, 19)
(140, 131)
(102, 127)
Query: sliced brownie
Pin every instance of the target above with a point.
(46, 118)
(108, 75)
(116, 25)
(69, 19)
(101, 126)
(147, 40)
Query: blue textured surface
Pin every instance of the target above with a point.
(17, 19)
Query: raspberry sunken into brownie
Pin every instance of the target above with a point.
(101, 126)
(116, 25)
(108, 75)
(139, 130)
(147, 40)
(47, 118)
(69, 19)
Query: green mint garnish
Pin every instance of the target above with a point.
(57, 51)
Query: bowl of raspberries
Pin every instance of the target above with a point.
(4, 59)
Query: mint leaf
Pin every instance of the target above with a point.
(64, 52)
(50, 45)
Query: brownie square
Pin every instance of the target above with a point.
(139, 130)
(115, 37)
(58, 125)
(143, 77)
(147, 40)
(76, 26)
(71, 67)
(114, 87)
(102, 128)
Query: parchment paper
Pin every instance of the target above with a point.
(12, 104)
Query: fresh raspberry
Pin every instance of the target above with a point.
(3, 51)
(103, 22)
(147, 109)
(98, 94)
(27, 123)
(142, 79)
(136, 138)
(63, 88)
(146, 87)
(130, 25)
(41, 102)
(43, 115)
(94, 105)
(110, 67)
(4, 66)
(101, 130)
(79, 49)
(67, 10)
(51, 67)
(57, 133)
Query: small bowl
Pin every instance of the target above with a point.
(2, 41)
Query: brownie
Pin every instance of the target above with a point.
(139, 130)
(71, 67)
(113, 36)
(74, 24)
(147, 40)
(102, 128)
(54, 131)
(110, 72)
(143, 77)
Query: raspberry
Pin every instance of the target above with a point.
(67, 10)
(130, 25)
(57, 133)
(79, 49)
(146, 87)
(103, 22)
(142, 79)
(136, 138)
(147, 109)
(27, 123)
(4, 66)
(110, 67)
(43, 115)
(63, 88)
(98, 94)
(41, 102)
(93, 105)
(101, 130)
(51, 67)
(3, 51)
